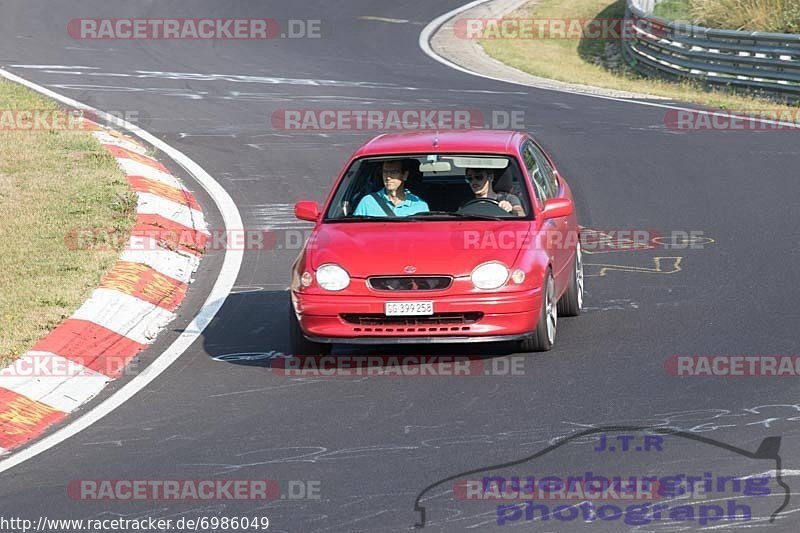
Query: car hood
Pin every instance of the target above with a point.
(431, 247)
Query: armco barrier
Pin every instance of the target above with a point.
(760, 62)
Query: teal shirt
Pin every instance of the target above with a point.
(412, 205)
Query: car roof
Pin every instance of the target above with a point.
(432, 142)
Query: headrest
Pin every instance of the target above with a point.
(504, 182)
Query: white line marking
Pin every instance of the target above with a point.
(183, 93)
(65, 67)
(135, 168)
(131, 146)
(428, 31)
(384, 19)
(219, 292)
(277, 216)
(784, 473)
(145, 250)
(153, 204)
(52, 380)
(230, 78)
(124, 314)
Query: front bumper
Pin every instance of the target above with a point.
(502, 317)
(445, 339)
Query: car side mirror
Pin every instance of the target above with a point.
(557, 208)
(307, 210)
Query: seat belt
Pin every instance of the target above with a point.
(382, 204)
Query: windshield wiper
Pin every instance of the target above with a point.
(431, 214)
(448, 214)
(357, 218)
(471, 216)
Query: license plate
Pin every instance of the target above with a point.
(408, 308)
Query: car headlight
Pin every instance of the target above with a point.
(332, 277)
(490, 275)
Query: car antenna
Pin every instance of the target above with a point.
(436, 139)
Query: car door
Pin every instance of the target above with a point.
(547, 185)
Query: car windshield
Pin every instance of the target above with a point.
(431, 188)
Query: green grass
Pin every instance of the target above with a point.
(600, 63)
(674, 10)
(51, 182)
(778, 16)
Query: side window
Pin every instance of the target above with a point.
(534, 171)
(547, 171)
(357, 183)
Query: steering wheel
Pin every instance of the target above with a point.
(484, 206)
(482, 200)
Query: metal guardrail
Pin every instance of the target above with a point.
(759, 61)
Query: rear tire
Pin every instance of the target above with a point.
(571, 303)
(543, 338)
(300, 345)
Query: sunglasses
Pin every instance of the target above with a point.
(475, 177)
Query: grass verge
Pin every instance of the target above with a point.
(600, 63)
(51, 182)
(674, 10)
(777, 16)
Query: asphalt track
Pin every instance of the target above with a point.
(374, 443)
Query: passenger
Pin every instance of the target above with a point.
(393, 200)
(481, 181)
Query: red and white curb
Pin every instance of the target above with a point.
(135, 300)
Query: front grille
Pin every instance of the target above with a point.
(410, 283)
(438, 322)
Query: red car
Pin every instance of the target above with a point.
(431, 237)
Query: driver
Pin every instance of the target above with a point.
(394, 199)
(481, 182)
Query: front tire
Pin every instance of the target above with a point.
(571, 303)
(300, 345)
(544, 337)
